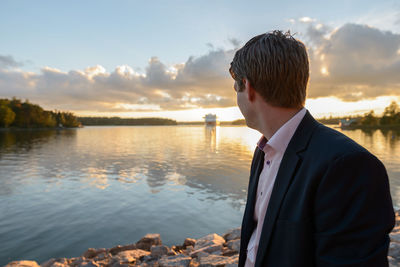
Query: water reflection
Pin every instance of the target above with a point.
(19, 160)
(81, 185)
(211, 137)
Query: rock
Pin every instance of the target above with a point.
(129, 256)
(201, 254)
(48, 263)
(229, 253)
(119, 248)
(194, 263)
(158, 251)
(396, 229)
(149, 240)
(90, 263)
(91, 252)
(23, 264)
(179, 260)
(77, 261)
(209, 240)
(394, 250)
(232, 234)
(103, 256)
(392, 262)
(395, 237)
(189, 242)
(216, 261)
(172, 253)
(188, 250)
(59, 264)
(234, 245)
(117, 264)
(177, 249)
(209, 249)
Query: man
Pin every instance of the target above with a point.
(315, 197)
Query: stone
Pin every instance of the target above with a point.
(129, 256)
(396, 229)
(229, 253)
(394, 250)
(92, 252)
(209, 249)
(172, 261)
(392, 262)
(117, 264)
(48, 263)
(395, 237)
(23, 264)
(59, 264)
(172, 253)
(158, 251)
(194, 263)
(90, 263)
(149, 240)
(209, 240)
(189, 242)
(216, 261)
(234, 244)
(77, 261)
(188, 250)
(232, 234)
(119, 248)
(103, 256)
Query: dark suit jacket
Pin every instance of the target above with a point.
(330, 205)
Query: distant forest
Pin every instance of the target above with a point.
(390, 117)
(92, 121)
(15, 113)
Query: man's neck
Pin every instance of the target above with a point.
(272, 118)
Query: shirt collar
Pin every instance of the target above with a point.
(281, 138)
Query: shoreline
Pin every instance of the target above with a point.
(208, 251)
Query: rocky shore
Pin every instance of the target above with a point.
(209, 251)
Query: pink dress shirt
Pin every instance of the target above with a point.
(274, 150)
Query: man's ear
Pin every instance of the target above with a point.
(249, 89)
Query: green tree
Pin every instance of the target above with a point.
(391, 115)
(369, 119)
(69, 120)
(7, 116)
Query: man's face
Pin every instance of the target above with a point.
(244, 104)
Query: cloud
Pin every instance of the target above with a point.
(9, 61)
(351, 62)
(354, 62)
(200, 82)
(306, 19)
(397, 22)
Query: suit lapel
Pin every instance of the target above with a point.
(248, 218)
(283, 180)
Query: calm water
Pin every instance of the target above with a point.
(64, 191)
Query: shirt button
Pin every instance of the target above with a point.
(261, 193)
(268, 162)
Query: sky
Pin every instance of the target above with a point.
(170, 58)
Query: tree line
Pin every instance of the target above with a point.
(15, 113)
(92, 121)
(390, 117)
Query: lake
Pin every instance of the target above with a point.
(63, 191)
